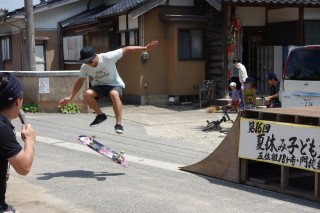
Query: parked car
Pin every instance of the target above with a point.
(300, 83)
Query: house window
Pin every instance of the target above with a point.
(312, 32)
(133, 37)
(128, 31)
(127, 38)
(71, 47)
(190, 44)
(123, 39)
(6, 48)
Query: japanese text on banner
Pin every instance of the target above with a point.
(280, 143)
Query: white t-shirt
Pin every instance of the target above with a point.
(106, 72)
(242, 73)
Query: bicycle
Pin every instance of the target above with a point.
(215, 125)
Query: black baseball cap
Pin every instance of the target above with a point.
(271, 75)
(86, 54)
(237, 60)
(11, 88)
(250, 80)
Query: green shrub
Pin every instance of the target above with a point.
(71, 108)
(30, 107)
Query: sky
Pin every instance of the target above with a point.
(14, 4)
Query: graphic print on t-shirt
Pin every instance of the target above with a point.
(101, 74)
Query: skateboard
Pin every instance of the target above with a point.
(103, 150)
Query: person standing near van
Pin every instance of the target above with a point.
(242, 77)
(272, 100)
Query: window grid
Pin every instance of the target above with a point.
(6, 48)
(190, 44)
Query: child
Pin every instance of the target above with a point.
(234, 96)
(249, 94)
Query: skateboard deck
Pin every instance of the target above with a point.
(103, 150)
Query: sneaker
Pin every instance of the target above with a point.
(9, 209)
(118, 128)
(99, 118)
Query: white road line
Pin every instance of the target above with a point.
(131, 158)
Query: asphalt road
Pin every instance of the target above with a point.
(71, 178)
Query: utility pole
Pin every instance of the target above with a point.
(30, 47)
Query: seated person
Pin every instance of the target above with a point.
(272, 100)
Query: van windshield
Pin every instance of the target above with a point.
(303, 64)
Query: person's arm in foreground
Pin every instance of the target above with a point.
(22, 161)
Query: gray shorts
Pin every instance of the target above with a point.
(104, 90)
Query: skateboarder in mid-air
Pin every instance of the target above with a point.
(106, 80)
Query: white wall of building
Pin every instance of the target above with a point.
(312, 13)
(251, 16)
(283, 15)
(181, 2)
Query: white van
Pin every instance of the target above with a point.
(300, 83)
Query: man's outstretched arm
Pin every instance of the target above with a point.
(148, 47)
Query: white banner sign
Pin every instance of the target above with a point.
(44, 85)
(280, 143)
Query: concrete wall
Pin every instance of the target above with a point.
(60, 86)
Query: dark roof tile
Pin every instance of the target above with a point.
(84, 18)
(121, 8)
